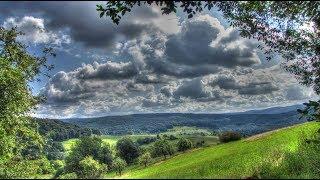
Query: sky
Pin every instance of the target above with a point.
(148, 63)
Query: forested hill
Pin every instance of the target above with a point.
(59, 131)
(248, 123)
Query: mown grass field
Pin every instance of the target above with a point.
(231, 160)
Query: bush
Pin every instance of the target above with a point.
(184, 144)
(90, 169)
(162, 148)
(68, 176)
(119, 165)
(127, 150)
(145, 159)
(229, 136)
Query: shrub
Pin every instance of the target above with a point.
(127, 150)
(184, 144)
(119, 165)
(229, 136)
(145, 159)
(68, 176)
(90, 169)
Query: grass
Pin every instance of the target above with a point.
(231, 160)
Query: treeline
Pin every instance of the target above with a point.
(59, 131)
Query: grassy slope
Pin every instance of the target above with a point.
(231, 160)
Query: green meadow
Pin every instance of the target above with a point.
(237, 159)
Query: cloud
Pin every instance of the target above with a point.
(84, 25)
(201, 47)
(295, 92)
(35, 31)
(108, 70)
(193, 89)
(255, 88)
(192, 46)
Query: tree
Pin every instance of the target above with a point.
(288, 28)
(127, 150)
(184, 144)
(86, 146)
(105, 155)
(145, 159)
(119, 165)
(17, 131)
(90, 169)
(163, 148)
(229, 136)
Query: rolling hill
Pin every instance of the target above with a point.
(231, 160)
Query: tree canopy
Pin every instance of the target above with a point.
(17, 68)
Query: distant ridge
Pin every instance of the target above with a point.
(248, 123)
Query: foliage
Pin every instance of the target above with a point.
(17, 131)
(229, 136)
(146, 140)
(119, 165)
(53, 150)
(60, 131)
(162, 148)
(87, 146)
(127, 150)
(145, 159)
(184, 144)
(105, 154)
(68, 176)
(90, 169)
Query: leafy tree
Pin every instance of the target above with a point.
(90, 169)
(119, 165)
(163, 148)
(229, 136)
(145, 159)
(184, 144)
(288, 28)
(86, 146)
(105, 155)
(17, 131)
(127, 150)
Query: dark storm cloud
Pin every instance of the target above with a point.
(250, 88)
(82, 20)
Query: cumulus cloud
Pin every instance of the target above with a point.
(192, 89)
(35, 31)
(108, 70)
(201, 47)
(193, 45)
